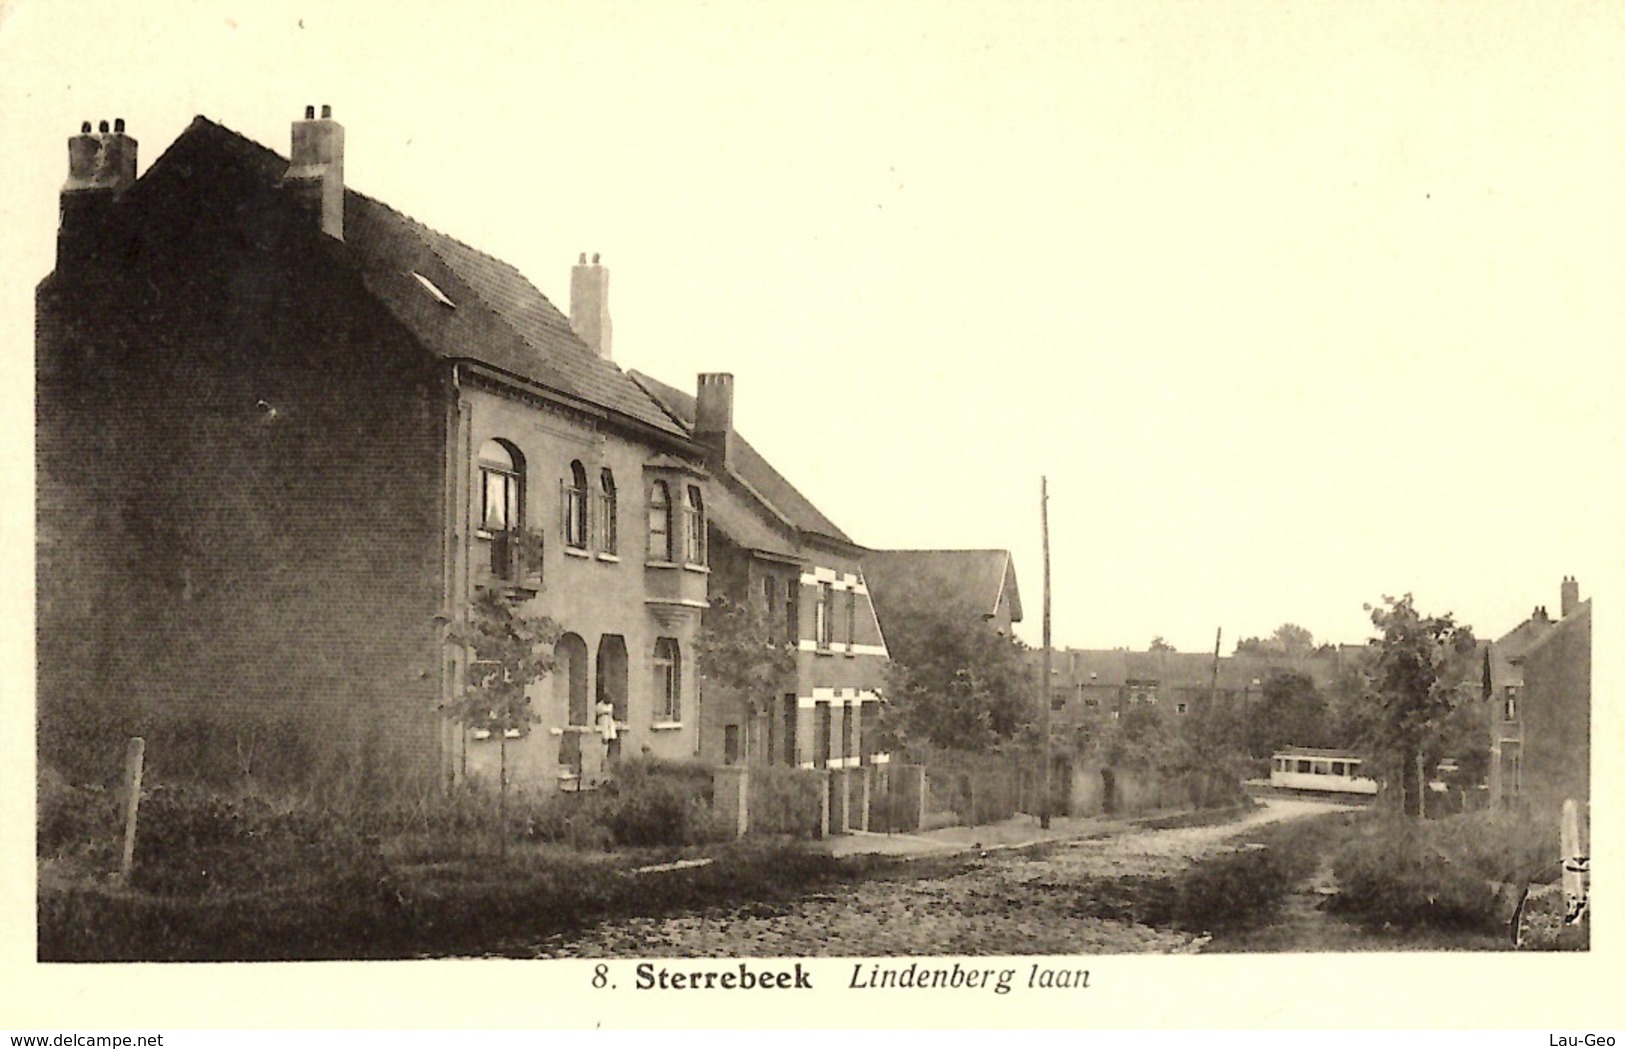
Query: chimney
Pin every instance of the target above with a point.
(714, 415)
(589, 305)
(1571, 597)
(101, 166)
(316, 175)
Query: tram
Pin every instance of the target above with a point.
(1321, 771)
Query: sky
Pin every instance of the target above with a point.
(1294, 305)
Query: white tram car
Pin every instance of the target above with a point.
(1322, 771)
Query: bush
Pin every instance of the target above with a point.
(1237, 888)
(193, 841)
(73, 820)
(1409, 874)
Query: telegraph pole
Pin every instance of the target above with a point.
(1044, 686)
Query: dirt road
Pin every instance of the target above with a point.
(1009, 902)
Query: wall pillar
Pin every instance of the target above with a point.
(730, 795)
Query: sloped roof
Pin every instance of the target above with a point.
(1566, 625)
(974, 580)
(747, 465)
(498, 318)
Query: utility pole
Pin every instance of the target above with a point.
(1044, 685)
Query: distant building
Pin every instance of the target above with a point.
(772, 547)
(1111, 680)
(977, 583)
(1539, 707)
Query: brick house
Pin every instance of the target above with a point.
(1539, 707)
(286, 433)
(770, 545)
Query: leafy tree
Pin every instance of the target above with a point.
(1289, 639)
(1158, 644)
(738, 654)
(1293, 639)
(1291, 712)
(956, 684)
(508, 652)
(1421, 665)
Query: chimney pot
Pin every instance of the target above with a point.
(118, 125)
(714, 414)
(589, 306)
(102, 127)
(84, 129)
(327, 111)
(316, 172)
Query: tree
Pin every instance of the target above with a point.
(1158, 644)
(738, 655)
(955, 683)
(1293, 639)
(1291, 712)
(508, 653)
(1421, 665)
(1289, 639)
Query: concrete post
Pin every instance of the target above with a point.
(860, 797)
(731, 797)
(823, 803)
(840, 811)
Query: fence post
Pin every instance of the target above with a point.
(860, 820)
(134, 757)
(823, 803)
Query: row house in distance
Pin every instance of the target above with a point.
(286, 434)
(770, 545)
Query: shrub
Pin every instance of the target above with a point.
(1237, 888)
(74, 820)
(1409, 874)
(193, 841)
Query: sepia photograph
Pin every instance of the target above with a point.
(1052, 486)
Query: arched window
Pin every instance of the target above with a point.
(502, 471)
(570, 680)
(502, 475)
(606, 511)
(575, 507)
(693, 526)
(668, 697)
(659, 522)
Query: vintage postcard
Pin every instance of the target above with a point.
(1068, 515)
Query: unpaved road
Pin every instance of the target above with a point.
(1010, 902)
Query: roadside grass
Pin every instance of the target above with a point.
(244, 876)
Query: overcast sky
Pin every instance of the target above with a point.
(1295, 304)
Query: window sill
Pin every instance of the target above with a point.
(821, 651)
(666, 726)
(661, 564)
(610, 558)
(689, 566)
(576, 551)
